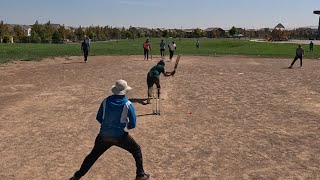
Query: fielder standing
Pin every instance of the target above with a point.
(172, 47)
(85, 48)
(311, 46)
(115, 114)
(162, 48)
(146, 49)
(299, 55)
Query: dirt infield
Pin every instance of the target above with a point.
(222, 118)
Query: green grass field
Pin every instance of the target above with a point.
(208, 47)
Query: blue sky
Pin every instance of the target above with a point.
(163, 13)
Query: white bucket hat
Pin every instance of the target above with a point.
(121, 87)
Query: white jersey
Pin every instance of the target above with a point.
(172, 46)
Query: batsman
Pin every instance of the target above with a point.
(153, 77)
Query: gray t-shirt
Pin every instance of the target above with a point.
(299, 52)
(162, 45)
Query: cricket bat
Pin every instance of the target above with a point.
(177, 61)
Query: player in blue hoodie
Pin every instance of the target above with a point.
(116, 113)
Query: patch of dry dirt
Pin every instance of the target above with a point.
(222, 118)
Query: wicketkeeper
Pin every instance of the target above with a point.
(115, 114)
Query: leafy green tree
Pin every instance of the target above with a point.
(57, 37)
(165, 33)
(37, 32)
(4, 29)
(35, 38)
(115, 33)
(62, 32)
(48, 31)
(134, 32)
(19, 33)
(79, 33)
(197, 33)
(232, 31)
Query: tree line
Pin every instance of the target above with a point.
(54, 33)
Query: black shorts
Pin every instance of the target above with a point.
(162, 50)
(151, 81)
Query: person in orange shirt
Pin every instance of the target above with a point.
(146, 48)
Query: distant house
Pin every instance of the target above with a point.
(251, 33)
(189, 33)
(278, 34)
(143, 31)
(263, 33)
(280, 27)
(240, 32)
(11, 35)
(27, 29)
(55, 26)
(215, 32)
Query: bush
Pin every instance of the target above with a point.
(5, 39)
(35, 38)
(56, 38)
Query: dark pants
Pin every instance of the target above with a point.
(151, 82)
(171, 54)
(295, 59)
(146, 54)
(162, 52)
(85, 54)
(311, 48)
(102, 144)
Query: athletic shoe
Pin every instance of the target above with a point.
(74, 178)
(144, 177)
(301, 67)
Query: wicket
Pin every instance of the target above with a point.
(156, 104)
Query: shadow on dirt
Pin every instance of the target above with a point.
(78, 62)
(149, 114)
(140, 101)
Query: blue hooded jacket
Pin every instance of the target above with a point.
(115, 113)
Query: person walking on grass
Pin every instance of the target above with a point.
(85, 48)
(299, 55)
(198, 44)
(311, 46)
(153, 77)
(162, 48)
(146, 49)
(116, 113)
(172, 47)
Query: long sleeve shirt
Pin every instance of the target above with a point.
(116, 113)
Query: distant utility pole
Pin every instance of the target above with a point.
(318, 34)
(180, 34)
